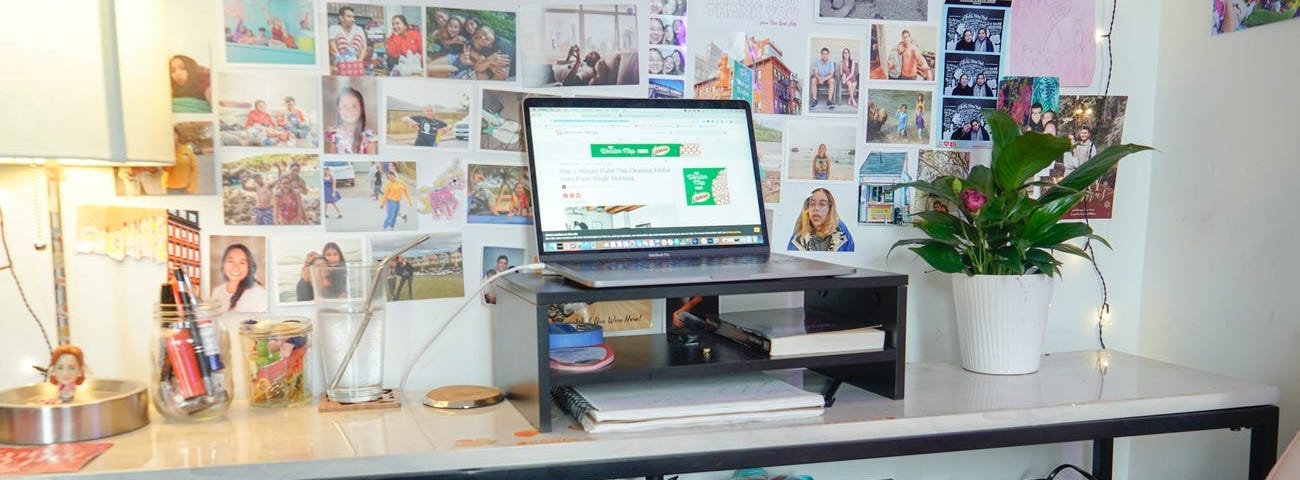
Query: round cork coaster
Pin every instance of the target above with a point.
(463, 396)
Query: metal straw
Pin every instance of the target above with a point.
(365, 320)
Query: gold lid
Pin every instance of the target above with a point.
(463, 396)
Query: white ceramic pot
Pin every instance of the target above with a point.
(1001, 320)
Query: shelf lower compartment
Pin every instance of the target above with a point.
(645, 357)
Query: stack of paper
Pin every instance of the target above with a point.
(744, 397)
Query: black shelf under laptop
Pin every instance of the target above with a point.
(521, 344)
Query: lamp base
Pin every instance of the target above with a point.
(101, 408)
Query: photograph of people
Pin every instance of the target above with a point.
(902, 53)
(819, 150)
(673, 62)
(897, 116)
(818, 227)
(362, 208)
(273, 189)
(495, 261)
(822, 85)
(284, 30)
(654, 61)
(432, 269)
(983, 43)
(489, 56)
(395, 190)
(252, 115)
(849, 76)
(975, 29)
(349, 128)
(349, 46)
(471, 44)
(967, 42)
(668, 7)
(191, 85)
(596, 45)
(183, 176)
(417, 112)
(821, 164)
(495, 195)
(193, 173)
(981, 87)
(427, 127)
(657, 34)
(294, 255)
(404, 48)
(238, 284)
(679, 32)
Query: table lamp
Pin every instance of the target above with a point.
(95, 94)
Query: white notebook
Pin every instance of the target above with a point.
(732, 398)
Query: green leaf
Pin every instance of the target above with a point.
(1100, 240)
(1027, 155)
(1042, 260)
(1048, 214)
(981, 178)
(942, 257)
(1059, 233)
(1003, 129)
(1023, 208)
(1072, 250)
(1084, 176)
(940, 226)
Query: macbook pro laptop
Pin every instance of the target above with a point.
(633, 192)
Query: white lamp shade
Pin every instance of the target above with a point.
(87, 80)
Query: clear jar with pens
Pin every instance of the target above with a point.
(191, 379)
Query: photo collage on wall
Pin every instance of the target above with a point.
(666, 49)
(366, 122)
(970, 69)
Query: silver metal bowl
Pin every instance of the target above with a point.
(101, 408)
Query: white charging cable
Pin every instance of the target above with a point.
(468, 298)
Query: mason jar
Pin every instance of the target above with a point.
(191, 377)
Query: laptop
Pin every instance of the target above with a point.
(636, 192)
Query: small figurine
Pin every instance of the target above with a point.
(67, 370)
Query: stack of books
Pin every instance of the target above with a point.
(790, 332)
(678, 402)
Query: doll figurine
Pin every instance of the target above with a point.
(67, 370)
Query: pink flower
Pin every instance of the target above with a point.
(973, 200)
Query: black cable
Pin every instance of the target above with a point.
(1062, 468)
(1104, 309)
(1110, 59)
(4, 241)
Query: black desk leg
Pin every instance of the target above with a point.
(1103, 457)
(1263, 445)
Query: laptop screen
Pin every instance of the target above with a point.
(637, 178)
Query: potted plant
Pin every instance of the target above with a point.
(1001, 243)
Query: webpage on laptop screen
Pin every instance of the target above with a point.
(637, 178)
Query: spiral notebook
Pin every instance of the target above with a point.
(681, 402)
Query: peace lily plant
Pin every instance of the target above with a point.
(1000, 228)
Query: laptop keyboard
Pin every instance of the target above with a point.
(676, 263)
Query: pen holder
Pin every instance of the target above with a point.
(191, 380)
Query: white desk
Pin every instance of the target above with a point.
(1094, 396)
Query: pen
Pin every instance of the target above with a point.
(205, 372)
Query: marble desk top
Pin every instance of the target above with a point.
(940, 398)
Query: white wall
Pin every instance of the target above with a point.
(112, 301)
(1219, 291)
